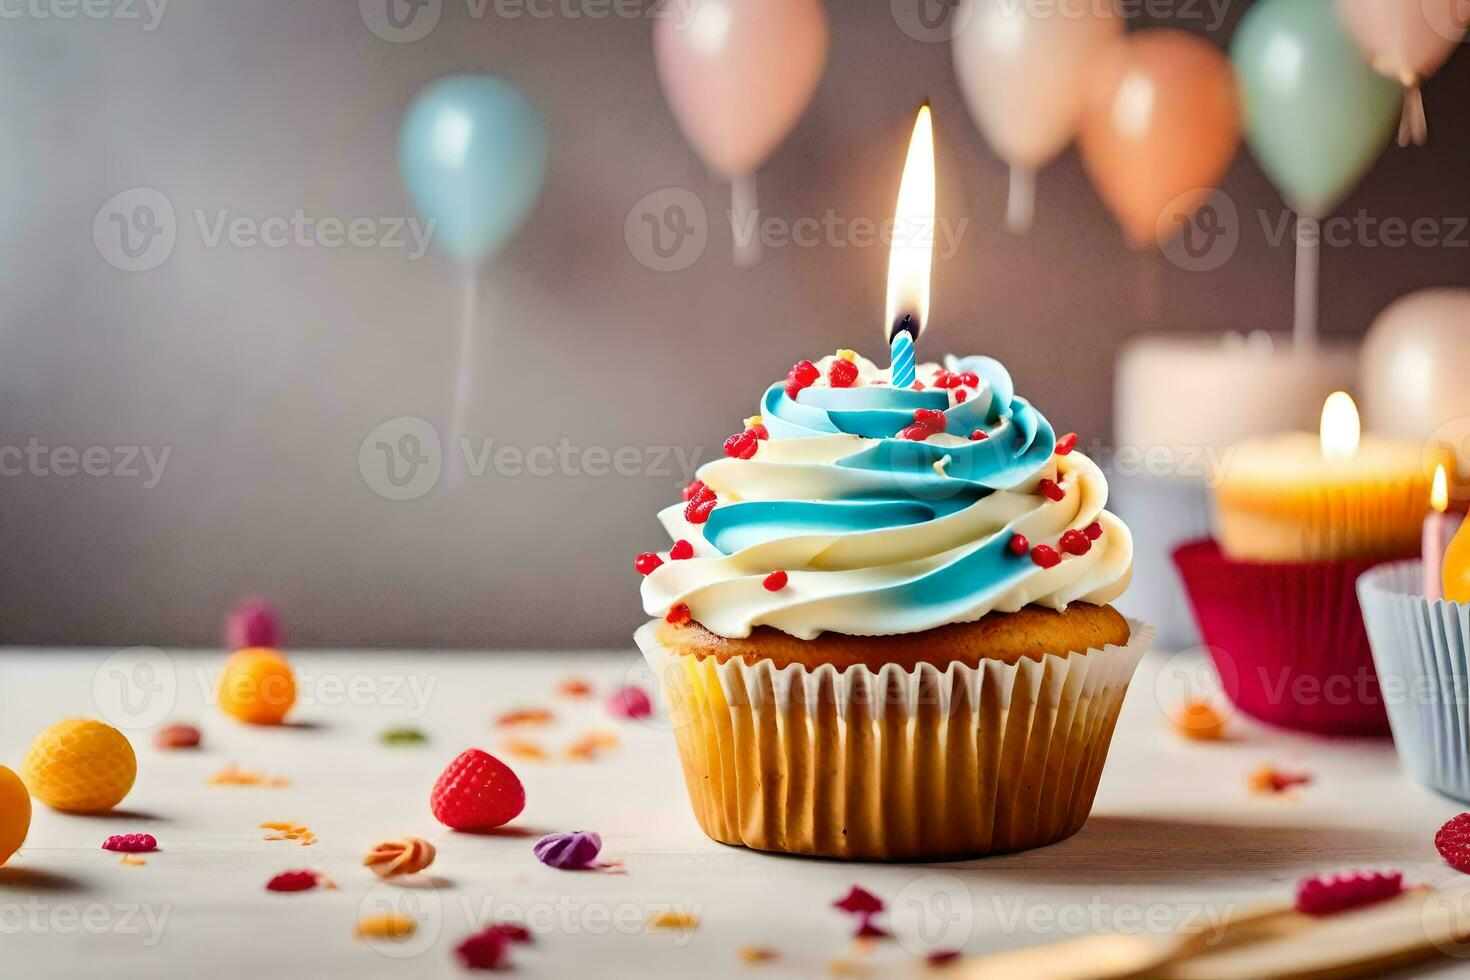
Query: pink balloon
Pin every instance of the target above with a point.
(1407, 40)
(739, 73)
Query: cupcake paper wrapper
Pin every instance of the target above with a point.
(1424, 665)
(1287, 639)
(1162, 512)
(894, 764)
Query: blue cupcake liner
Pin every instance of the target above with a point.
(1421, 650)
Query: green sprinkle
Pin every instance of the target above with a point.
(403, 736)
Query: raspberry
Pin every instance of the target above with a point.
(978, 436)
(970, 378)
(1066, 444)
(1046, 556)
(946, 380)
(1093, 531)
(761, 432)
(842, 373)
(801, 375)
(484, 950)
(916, 432)
(1074, 542)
(513, 931)
(703, 501)
(1336, 893)
(681, 550)
(960, 395)
(292, 881)
(775, 582)
(647, 562)
(931, 418)
(1050, 489)
(742, 445)
(678, 614)
(1018, 544)
(130, 843)
(694, 487)
(477, 792)
(1453, 842)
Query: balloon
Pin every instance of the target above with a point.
(1159, 129)
(1023, 70)
(1407, 42)
(1316, 115)
(738, 73)
(473, 154)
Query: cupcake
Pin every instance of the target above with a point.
(883, 627)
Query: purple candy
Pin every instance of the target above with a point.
(252, 623)
(570, 852)
(630, 702)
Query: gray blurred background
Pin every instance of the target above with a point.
(260, 371)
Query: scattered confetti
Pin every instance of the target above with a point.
(574, 687)
(132, 859)
(630, 702)
(293, 881)
(847, 968)
(525, 716)
(1336, 893)
(253, 623)
(177, 737)
(524, 749)
(591, 745)
(756, 954)
(1453, 842)
(859, 901)
(569, 852)
(1198, 720)
(290, 831)
(1270, 781)
(673, 919)
(130, 843)
(401, 857)
(403, 736)
(484, 950)
(232, 775)
(942, 957)
(391, 925)
(868, 930)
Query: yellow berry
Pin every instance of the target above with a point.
(15, 814)
(257, 686)
(80, 766)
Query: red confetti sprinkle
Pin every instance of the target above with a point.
(484, 950)
(916, 432)
(130, 843)
(1050, 489)
(842, 373)
(775, 582)
(1336, 893)
(918, 386)
(761, 432)
(1018, 544)
(1046, 556)
(859, 901)
(678, 613)
(960, 395)
(647, 562)
(978, 435)
(681, 550)
(1066, 444)
(292, 881)
(1453, 842)
(868, 930)
(1075, 542)
(970, 378)
(742, 445)
(1093, 531)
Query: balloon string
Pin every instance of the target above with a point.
(1021, 203)
(1413, 125)
(745, 216)
(463, 380)
(1308, 244)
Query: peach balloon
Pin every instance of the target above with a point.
(738, 73)
(1407, 40)
(1159, 129)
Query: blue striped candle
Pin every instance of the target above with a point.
(903, 359)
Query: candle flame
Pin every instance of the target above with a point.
(911, 254)
(1439, 494)
(1341, 429)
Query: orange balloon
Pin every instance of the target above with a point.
(1159, 129)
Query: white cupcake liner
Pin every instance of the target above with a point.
(1162, 512)
(895, 764)
(1422, 656)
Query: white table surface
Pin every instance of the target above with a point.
(1175, 836)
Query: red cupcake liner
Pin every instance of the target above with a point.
(1287, 639)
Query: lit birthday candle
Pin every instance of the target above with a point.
(911, 255)
(1439, 530)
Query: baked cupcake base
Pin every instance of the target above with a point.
(931, 755)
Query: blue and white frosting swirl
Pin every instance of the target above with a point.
(880, 534)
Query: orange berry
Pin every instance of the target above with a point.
(1199, 720)
(257, 686)
(80, 766)
(15, 814)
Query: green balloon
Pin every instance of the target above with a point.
(1316, 114)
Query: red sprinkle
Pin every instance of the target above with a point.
(678, 613)
(979, 435)
(931, 417)
(761, 432)
(1050, 489)
(130, 843)
(842, 373)
(292, 881)
(918, 386)
(960, 395)
(1046, 556)
(484, 950)
(741, 445)
(859, 901)
(681, 550)
(1018, 544)
(776, 581)
(970, 378)
(1066, 444)
(1093, 531)
(1453, 842)
(916, 432)
(1336, 893)
(1075, 542)
(647, 562)
(946, 380)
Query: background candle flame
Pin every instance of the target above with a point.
(1439, 493)
(911, 255)
(1341, 429)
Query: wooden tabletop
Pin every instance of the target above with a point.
(1176, 838)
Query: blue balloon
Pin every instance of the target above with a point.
(473, 154)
